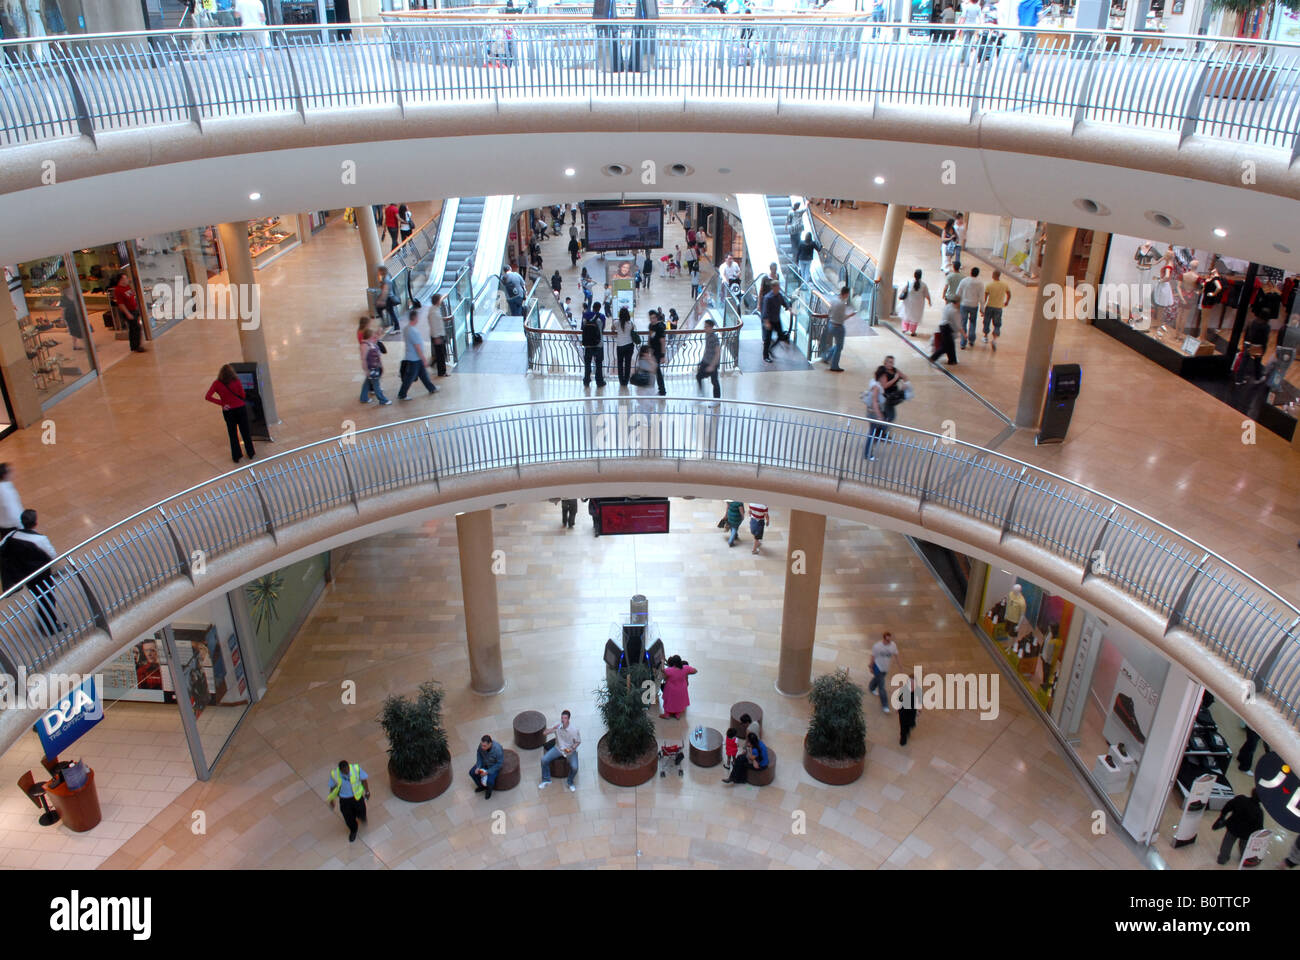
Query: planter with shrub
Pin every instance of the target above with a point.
(419, 760)
(835, 748)
(627, 755)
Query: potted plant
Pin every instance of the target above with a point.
(419, 761)
(835, 748)
(627, 754)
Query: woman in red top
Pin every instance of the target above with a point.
(392, 221)
(228, 393)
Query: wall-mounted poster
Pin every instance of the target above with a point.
(1130, 710)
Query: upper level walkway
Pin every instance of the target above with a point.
(1066, 107)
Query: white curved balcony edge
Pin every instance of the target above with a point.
(1227, 630)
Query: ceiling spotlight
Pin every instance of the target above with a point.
(1220, 232)
(879, 181)
(254, 196)
(569, 171)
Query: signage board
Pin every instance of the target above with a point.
(633, 516)
(70, 719)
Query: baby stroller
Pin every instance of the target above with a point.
(670, 265)
(671, 755)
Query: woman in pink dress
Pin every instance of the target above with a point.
(676, 698)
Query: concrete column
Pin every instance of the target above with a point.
(895, 216)
(112, 16)
(23, 398)
(369, 243)
(478, 587)
(252, 342)
(1042, 330)
(803, 578)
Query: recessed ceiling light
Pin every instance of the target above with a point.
(254, 196)
(879, 180)
(569, 171)
(1220, 232)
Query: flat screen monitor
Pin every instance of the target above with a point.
(633, 516)
(630, 225)
(634, 642)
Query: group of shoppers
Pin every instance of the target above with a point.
(396, 218)
(965, 297)
(759, 517)
(415, 359)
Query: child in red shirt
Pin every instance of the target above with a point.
(732, 747)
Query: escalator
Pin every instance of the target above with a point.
(778, 210)
(464, 237)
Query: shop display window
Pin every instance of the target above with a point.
(167, 263)
(268, 237)
(52, 323)
(97, 270)
(279, 602)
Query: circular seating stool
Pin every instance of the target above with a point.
(754, 710)
(761, 778)
(560, 768)
(528, 729)
(508, 777)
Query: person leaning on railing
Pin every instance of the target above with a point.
(658, 336)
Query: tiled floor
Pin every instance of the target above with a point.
(964, 792)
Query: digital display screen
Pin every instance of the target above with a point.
(612, 225)
(633, 516)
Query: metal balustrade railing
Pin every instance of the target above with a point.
(1219, 606)
(1243, 91)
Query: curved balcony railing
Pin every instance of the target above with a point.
(1245, 92)
(1222, 608)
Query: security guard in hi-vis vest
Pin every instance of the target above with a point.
(351, 787)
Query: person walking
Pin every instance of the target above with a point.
(588, 287)
(1246, 756)
(438, 334)
(770, 310)
(11, 504)
(25, 553)
(807, 247)
(350, 786)
(1028, 11)
(915, 297)
(556, 284)
(405, 223)
(575, 247)
(758, 520)
(906, 704)
(883, 654)
(488, 760)
(945, 336)
(970, 294)
(676, 688)
(647, 269)
(658, 341)
(567, 739)
(385, 300)
(392, 223)
(625, 343)
(711, 361)
(568, 511)
(731, 520)
(372, 368)
(125, 301)
(414, 364)
(997, 294)
(228, 393)
(1240, 817)
(839, 314)
(874, 398)
(593, 346)
(971, 16)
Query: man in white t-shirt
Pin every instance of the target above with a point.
(970, 294)
(252, 13)
(972, 13)
(883, 655)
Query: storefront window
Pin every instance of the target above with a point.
(52, 324)
(168, 263)
(97, 271)
(279, 602)
(268, 237)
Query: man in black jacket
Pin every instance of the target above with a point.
(593, 346)
(773, 301)
(1240, 817)
(22, 553)
(658, 338)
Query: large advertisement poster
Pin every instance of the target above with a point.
(624, 226)
(1130, 710)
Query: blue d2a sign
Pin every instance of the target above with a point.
(70, 719)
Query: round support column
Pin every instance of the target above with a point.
(478, 587)
(1042, 330)
(803, 578)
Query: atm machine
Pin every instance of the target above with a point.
(637, 642)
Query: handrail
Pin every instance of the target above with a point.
(1242, 91)
(93, 586)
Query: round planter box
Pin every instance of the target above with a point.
(835, 772)
(626, 775)
(417, 791)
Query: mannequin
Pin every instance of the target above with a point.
(1145, 257)
(1213, 290)
(1015, 612)
(1163, 297)
(1189, 285)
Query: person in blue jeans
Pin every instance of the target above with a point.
(1028, 11)
(970, 295)
(882, 657)
(414, 363)
(372, 365)
(567, 739)
(487, 764)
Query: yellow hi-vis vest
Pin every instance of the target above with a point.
(354, 775)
